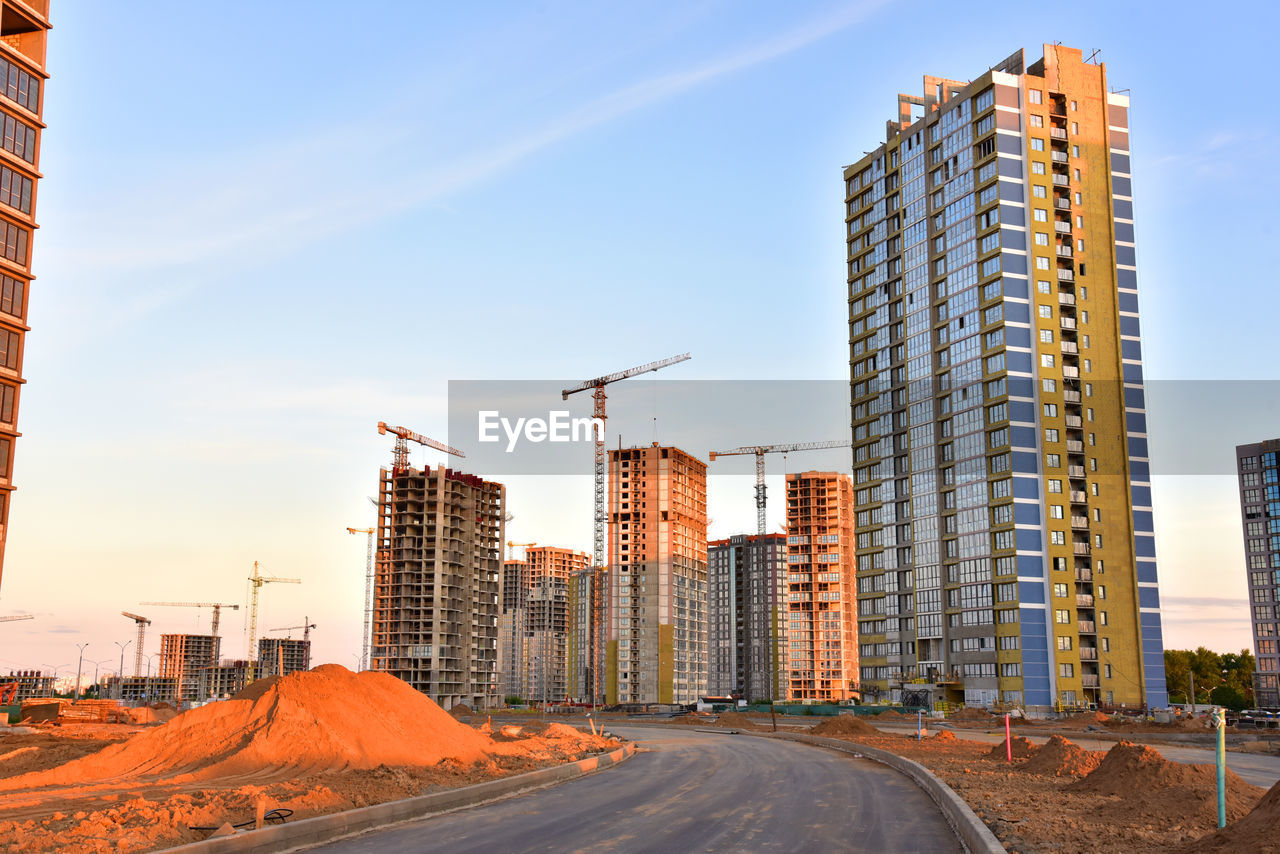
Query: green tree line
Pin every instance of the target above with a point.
(1224, 679)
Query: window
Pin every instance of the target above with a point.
(1088, 366)
(19, 86)
(1102, 591)
(1041, 215)
(1057, 538)
(14, 242)
(11, 291)
(1102, 617)
(1038, 145)
(1047, 360)
(1055, 486)
(1037, 167)
(1075, 151)
(1062, 616)
(1043, 287)
(1049, 386)
(1037, 121)
(1046, 336)
(19, 139)
(1055, 511)
(1066, 670)
(1106, 644)
(1051, 434)
(1042, 239)
(1042, 263)
(1051, 410)
(1073, 106)
(8, 349)
(1064, 643)
(1034, 96)
(15, 189)
(1038, 191)
(1075, 128)
(1046, 311)
(1053, 461)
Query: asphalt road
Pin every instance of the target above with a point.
(690, 791)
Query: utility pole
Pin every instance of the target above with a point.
(80, 668)
(120, 687)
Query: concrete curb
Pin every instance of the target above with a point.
(976, 837)
(328, 828)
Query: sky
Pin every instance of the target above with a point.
(265, 227)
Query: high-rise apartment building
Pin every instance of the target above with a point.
(282, 656)
(822, 601)
(437, 583)
(747, 616)
(535, 622)
(23, 30)
(1005, 543)
(657, 587)
(186, 659)
(586, 643)
(1258, 469)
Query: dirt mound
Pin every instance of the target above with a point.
(301, 722)
(845, 725)
(970, 714)
(1256, 832)
(1059, 757)
(735, 720)
(943, 735)
(1151, 785)
(256, 688)
(894, 715)
(1022, 749)
(462, 710)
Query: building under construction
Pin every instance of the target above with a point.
(186, 660)
(657, 597)
(437, 582)
(29, 684)
(822, 620)
(585, 645)
(535, 622)
(282, 656)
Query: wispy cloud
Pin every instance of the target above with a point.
(298, 196)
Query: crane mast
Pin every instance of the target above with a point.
(142, 623)
(759, 451)
(368, 595)
(600, 516)
(255, 585)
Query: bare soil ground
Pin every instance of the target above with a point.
(125, 788)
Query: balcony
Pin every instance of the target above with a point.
(1066, 299)
(1071, 396)
(1080, 548)
(1084, 575)
(1065, 275)
(1062, 227)
(1074, 446)
(1073, 420)
(1058, 133)
(1088, 653)
(1058, 156)
(1071, 348)
(1061, 181)
(1084, 600)
(1068, 323)
(1080, 521)
(1062, 204)
(1065, 252)
(1089, 680)
(1077, 497)
(1075, 471)
(1087, 627)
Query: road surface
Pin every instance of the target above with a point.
(692, 791)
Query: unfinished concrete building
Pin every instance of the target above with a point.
(227, 678)
(535, 622)
(657, 603)
(31, 684)
(822, 654)
(23, 29)
(186, 659)
(437, 583)
(584, 654)
(282, 656)
(747, 616)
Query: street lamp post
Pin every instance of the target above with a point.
(80, 667)
(96, 683)
(123, 647)
(53, 684)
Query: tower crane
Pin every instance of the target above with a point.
(306, 629)
(400, 456)
(600, 516)
(368, 595)
(511, 548)
(759, 451)
(216, 606)
(142, 623)
(255, 585)
(18, 617)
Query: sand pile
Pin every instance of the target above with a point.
(943, 735)
(1258, 832)
(1059, 757)
(325, 719)
(735, 720)
(1022, 749)
(970, 714)
(845, 725)
(462, 710)
(1151, 785)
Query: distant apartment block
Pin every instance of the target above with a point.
(822, 623)
(437, 580)
(23, 30)
(585, 655)
(535, 623)
(657, 592)
(282, 656)
(1006, 552)
(1259, 475)
(186, 659)
(747, 616)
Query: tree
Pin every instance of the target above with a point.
(1217, 677)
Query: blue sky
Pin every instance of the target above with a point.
(266, 227)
